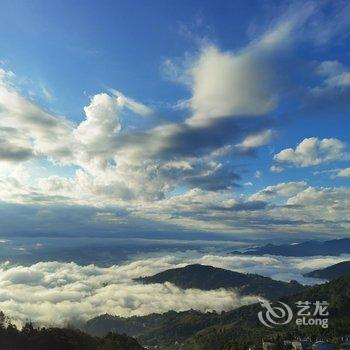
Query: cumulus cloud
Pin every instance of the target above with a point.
(334, 90)
(226, 84)
(251, 81)
(30, 130)
(313, 151)
(101, 122)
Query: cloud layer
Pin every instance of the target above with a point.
(53, 293)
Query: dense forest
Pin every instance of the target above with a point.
(192, 330)
(331, 272)
(242, 327)
(30, 338)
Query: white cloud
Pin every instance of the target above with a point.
(136, 107)
(336, 74)
(326, 204)
(101, 121)
(28, 128)
(285, 189)
(46, 93)
(330, 199)
(276, 168)
(343, 172)
(225, 84)
(259, 139)
(333, 92)
(95, 136)
(258, 174)
(245, 82)
(313, 151)
(6, 76)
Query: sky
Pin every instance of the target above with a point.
(175, 118)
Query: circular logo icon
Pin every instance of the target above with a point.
(278, 314)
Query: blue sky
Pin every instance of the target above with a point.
(175, 116)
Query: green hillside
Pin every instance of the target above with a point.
(331, 272)
(242, 325)
(30, 338)
(212, 331)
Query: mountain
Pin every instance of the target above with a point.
(30, 338)
(308, 248)
(331, 272)
(154, 329)
(241, 325)
(213, 331)
(208, 278)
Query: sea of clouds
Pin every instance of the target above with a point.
(57, 293)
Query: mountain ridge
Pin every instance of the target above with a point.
(332, 247)
(206, 277)
(330, 272)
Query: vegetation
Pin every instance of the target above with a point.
(242, 326)
(331, 272)
(30, 338)
(234, 329)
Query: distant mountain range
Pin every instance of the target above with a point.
(208, 278)
(212, 331)
(309, 248)
(331, 272)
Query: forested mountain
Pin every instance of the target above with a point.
(208, 278)
(212, 331)
(242, 324)
(309, 248)
(155, 329)
(331, 272)
(30, 338)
